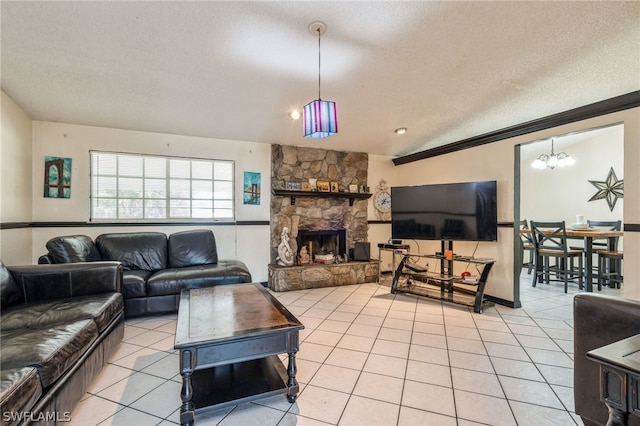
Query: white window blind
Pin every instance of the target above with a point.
(145, 187)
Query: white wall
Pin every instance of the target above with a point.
(75, 141)
(380, 167)
(245, 243)
(563, 193)
(467, 166)
(631, 213)
(495, 161)
(23, 151)
(15, 182)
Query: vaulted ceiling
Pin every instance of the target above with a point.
(233, 70)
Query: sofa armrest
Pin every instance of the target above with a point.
(598, 320)
(45, 259)
(58, 281)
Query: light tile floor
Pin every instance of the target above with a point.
(368, 357)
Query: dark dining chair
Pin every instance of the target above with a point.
(609, 262)
(528, 249)
(550, 242)
(612, 225)
(610, 268)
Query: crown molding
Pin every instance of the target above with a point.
(608, 106)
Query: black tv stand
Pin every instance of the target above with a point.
(443, 285)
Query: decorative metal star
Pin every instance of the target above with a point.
(611, 189)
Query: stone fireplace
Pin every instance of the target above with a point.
(333, 224)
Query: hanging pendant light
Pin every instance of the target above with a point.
(553, 160)
(320, 118)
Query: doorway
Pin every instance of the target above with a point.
(563, 193)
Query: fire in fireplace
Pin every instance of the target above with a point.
(324, 242)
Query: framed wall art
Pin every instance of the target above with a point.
(251, 188)
(57, 177)
(610, 189)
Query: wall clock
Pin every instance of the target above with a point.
(382, 201)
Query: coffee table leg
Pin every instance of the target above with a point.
(292, 383)
(186, 394)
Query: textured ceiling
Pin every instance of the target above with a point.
(233, 70)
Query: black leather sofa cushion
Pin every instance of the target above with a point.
(101, 308)
(20, 388)
(173, 280)
(235, 271)
(192, 248)
(145, 251)
(52, 350)
(48, 282)
(10, 293)
(134, 283)
(73, 248)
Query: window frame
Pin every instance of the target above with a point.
(167, 199)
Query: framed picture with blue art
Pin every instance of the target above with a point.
(57, 177)
(251, 188)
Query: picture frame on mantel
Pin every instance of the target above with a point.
(323, 186)
(293, 186)
(334, 186)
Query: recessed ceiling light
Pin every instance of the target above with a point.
(295, 114)
(400, 130)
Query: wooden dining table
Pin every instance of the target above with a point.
(588, 235)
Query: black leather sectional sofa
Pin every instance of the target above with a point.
(59, 326)
(156, 267)
(598, 320)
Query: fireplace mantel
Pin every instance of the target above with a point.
(294, 194)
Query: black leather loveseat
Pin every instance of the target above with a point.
(59, 326)
(598, 320)
(156, 267)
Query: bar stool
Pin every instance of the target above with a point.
(615, 225)
(550, 241)
(528, 248)
(613, 276)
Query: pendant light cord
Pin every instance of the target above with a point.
(319, 63)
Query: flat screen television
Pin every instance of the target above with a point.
(454, 211)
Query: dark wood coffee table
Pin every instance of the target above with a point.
(229, 338)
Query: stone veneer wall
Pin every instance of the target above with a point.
(298, 164)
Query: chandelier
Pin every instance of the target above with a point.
(320, 118)
(553, 160)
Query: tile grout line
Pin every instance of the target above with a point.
(536, 317)
(535, 364)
